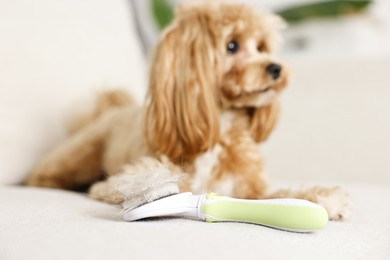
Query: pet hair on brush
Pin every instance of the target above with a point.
(146, 181)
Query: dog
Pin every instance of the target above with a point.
(213, 97)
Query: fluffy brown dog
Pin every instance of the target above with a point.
(213, 96)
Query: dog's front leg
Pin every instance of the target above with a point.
(105, 191)
(335, 200)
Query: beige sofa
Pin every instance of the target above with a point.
(334, 130)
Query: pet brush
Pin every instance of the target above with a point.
(287, 214)
(160, 198)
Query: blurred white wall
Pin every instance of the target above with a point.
(361, 35)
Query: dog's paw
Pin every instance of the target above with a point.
(337, 202)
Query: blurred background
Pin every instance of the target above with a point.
(317, 28)
(335, 121)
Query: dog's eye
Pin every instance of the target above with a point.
(232, 47)
(261, 47)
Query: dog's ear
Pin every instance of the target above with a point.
(263, 120)
(181, 117)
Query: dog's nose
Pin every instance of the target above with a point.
(274, 70)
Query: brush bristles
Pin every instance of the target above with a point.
(145, 182)
(150, 195)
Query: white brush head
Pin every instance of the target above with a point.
(179, 205)
(146, 181)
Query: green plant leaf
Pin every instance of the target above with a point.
(162, 12)
(333, 8)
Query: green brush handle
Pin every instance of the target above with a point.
(289, 214)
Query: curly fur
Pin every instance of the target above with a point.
(206, 111)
